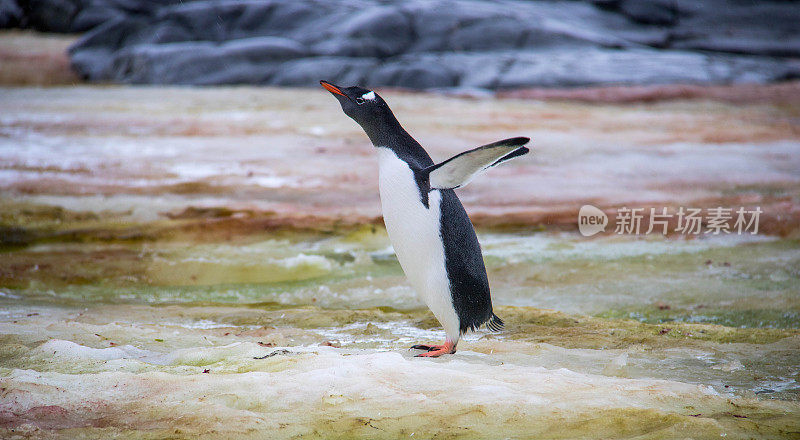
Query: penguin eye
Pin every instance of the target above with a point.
(359, 100)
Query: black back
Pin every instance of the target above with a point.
(469, 286)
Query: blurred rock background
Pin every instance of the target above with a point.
(423, 44)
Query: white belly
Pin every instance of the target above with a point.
(415, 234)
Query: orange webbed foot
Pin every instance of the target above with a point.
(436, 350)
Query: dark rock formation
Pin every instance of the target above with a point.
(68, 16)
(11, 14)
(430, 43)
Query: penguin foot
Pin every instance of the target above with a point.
(436, 350)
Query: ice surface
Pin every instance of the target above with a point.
(329, 354)
(311, 390)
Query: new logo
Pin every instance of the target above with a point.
(591, 220)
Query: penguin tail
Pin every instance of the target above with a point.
(495, 324)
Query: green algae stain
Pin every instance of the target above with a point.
(692, 311)
(537, 325)
(759, 318)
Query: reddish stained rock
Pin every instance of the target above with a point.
(44, 417)
(241, 175)
(739, 93)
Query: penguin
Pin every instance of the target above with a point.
(432, 236)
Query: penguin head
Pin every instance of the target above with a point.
(362, 105)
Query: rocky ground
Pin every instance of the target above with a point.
(33, 59)
(180, 261)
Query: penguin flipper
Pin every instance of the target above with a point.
(462, 168)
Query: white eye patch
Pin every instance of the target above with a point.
(369, 95)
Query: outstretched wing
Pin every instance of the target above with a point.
(462, 168)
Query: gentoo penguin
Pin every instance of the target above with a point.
(432, 236)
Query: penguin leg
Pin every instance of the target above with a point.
(436, 350)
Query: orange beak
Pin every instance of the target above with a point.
(332, 88)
